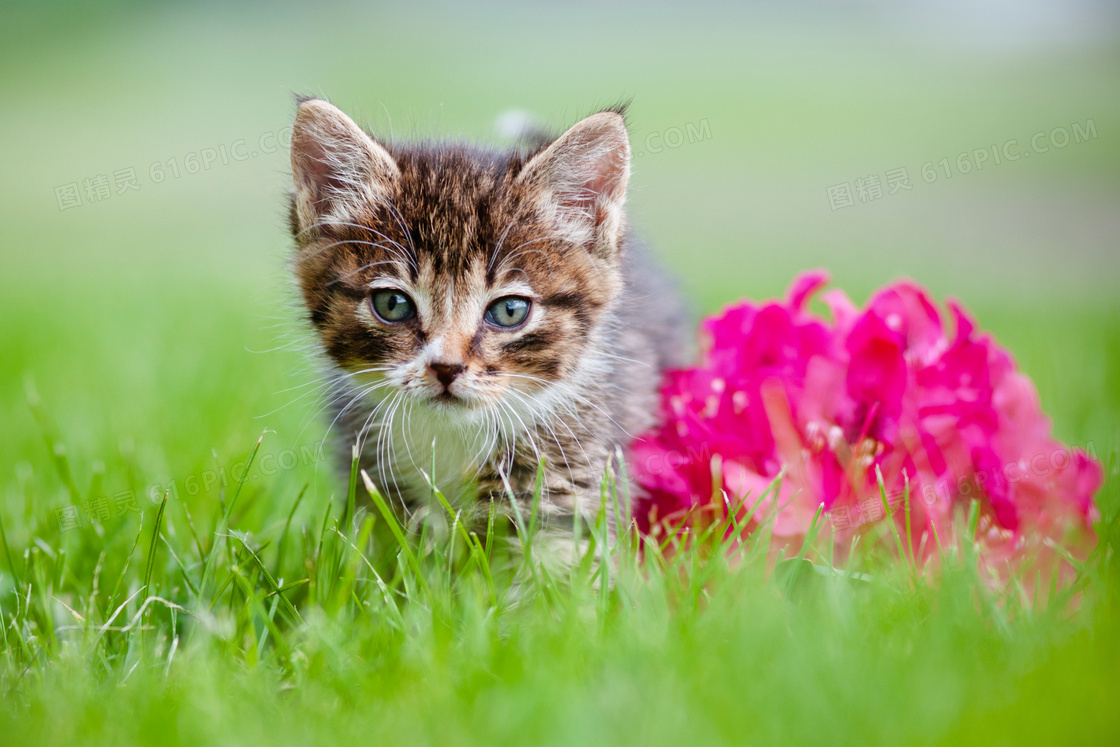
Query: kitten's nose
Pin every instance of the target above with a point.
(445, 372)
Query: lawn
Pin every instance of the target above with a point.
(150, 346)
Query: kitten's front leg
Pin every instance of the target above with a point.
(561, 514)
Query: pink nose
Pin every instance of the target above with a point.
(445, 372)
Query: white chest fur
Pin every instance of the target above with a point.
(418, 442)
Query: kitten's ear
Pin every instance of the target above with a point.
(580, 181)
(335, 165)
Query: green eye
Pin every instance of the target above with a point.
(392, 306)
(508, 312)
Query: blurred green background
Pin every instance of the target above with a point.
(156, 323)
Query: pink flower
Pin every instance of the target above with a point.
(827, 404)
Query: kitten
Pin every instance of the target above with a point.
(479, 308)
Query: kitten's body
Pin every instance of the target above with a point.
(449, 229)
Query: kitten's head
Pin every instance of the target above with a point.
(457, 277)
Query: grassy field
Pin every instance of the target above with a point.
(147, 340)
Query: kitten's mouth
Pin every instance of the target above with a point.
(447, 399)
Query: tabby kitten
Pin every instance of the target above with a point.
(480, 310)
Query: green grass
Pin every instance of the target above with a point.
(147, 340)
(343, 626)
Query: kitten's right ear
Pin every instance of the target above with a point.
(580, 181)
(336, 167)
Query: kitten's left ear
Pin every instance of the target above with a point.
(580, 181)
(336, 167)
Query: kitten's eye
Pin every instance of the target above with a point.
(508, 312)
(392, 306)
